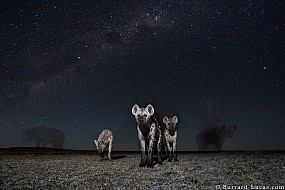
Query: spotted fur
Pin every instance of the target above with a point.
(105, 139)
(149, 134)
(170, 134)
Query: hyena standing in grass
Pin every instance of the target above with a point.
(104, 139)
(149, 133)
(170, 134)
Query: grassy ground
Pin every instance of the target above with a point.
(192, 171)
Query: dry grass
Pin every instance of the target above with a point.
(192, 171)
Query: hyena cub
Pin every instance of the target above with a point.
(149, 133)
(170, 134)
(104, 139)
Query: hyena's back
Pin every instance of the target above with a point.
(106, 134)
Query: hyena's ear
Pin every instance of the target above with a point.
(175, 119)
(96, 143)
(150, 109)
(135, 109)
(165, 119)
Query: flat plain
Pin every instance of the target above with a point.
(194, 170)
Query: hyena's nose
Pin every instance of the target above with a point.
(140, 119)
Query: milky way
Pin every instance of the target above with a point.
(81, 66)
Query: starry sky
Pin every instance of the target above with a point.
(80, 66)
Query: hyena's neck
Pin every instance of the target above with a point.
(145, 128)
(171, 131)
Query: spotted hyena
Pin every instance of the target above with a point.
(44, 135)
(170, 134)
(104, 139)
(149, 133)
(214, 135)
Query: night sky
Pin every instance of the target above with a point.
(80, 66)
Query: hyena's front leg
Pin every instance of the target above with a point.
(142, 142)
(165, 147)
(174, 148)
(159, 144)
(169, 150)
(110, 147)
(151, 144)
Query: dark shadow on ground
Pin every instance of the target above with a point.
(155, 160)
(118, 157)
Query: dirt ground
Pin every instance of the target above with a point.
(214, 170)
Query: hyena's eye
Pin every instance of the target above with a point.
(145, 115)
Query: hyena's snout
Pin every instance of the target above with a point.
(100, 151)
(141, 119)
(172, 126)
